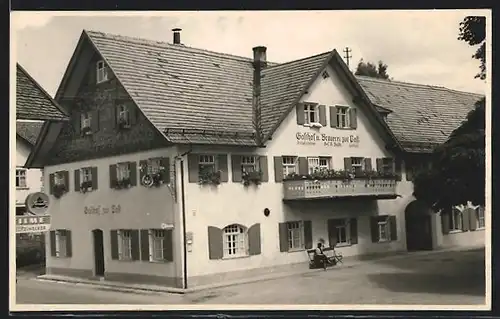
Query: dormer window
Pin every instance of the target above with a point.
(311, 113)
(102, 71)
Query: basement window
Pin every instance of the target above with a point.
(102, 71)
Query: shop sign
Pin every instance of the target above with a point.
(32, 224)
(100, 210)
(309, 138)
(37, 203)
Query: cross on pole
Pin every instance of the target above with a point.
(347, 56)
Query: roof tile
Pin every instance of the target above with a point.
(29, 131)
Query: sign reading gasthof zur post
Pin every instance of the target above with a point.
(37, 203)
(32, 224)
(309, 138)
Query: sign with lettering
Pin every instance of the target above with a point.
(37, 203)
(32, 224)
(99, 210)
(310, 138)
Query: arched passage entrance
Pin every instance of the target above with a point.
(418, 226)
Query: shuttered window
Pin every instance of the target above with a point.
(343, 117)
(85, 120)
(295, 235)
(480, 217)
(125, 244)
(311, 113)
(456, 220)
(206, 164)
(249, 164)
(383, 228)
(234, 241)
(157, 237)
(61, 243)
(357, 164)
(289, 165)
(102, 71)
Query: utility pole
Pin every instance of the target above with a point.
(347, 56)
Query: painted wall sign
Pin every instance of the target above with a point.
(32, 224)
(98, 210)
(37, 203)
(309, 138)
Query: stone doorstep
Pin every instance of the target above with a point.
(350, 261)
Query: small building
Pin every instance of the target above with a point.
(182, 166)
(33, 106)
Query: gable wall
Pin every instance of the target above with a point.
(84, 94)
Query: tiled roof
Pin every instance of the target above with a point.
(422, 115)
(182, 87)
(29, 131)
(32, 101)
(283, 84)
(179, 87)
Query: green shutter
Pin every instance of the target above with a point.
(165, 163)
(168, 245)
(113, 115)
(283, 236)
(223, 167)
(278, 169)
(368, 164)
(354, 230)
(77, 123)
(94, 124)
(51, 183)
(113, 234)
(465, 219)
(299, 110)
(77, 180)
(445, 222)
(472, 219)
(322, 115)
(66, 179)
(264, 168)
(94, 178)
(332, 232)
(132, 111)
(308, 241)
(143, 168)
(144, 245)
(53, 243)
(333, 116)
(112, 176)
(194, 174)
(69, 243)
(215, 249)
(353, 118)
(236, 168)
(374, 229)
(394, 228)
(348, 164)
(135, 251)
(254, 245)
(380, 164)
(132, 166)
(303, 166)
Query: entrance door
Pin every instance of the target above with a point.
(98, 252)
(418, 227)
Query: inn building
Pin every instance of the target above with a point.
(182, 167)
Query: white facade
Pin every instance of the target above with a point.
(27, 180)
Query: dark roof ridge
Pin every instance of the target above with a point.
(411, 84)
(298, 60)
(164, 44)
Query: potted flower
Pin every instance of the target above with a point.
(123, 183)
(254, 177)
(86, 131)
(86, 186)
(210, 178)
(58, 190)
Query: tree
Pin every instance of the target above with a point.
(457, 174)
(378, 71)
(473, 31)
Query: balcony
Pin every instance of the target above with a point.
(358, 187)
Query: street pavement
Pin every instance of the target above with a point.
(444, 278)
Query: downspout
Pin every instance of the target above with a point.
(183, 202)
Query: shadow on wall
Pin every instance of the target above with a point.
(448, 273)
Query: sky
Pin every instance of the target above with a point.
(418, 46)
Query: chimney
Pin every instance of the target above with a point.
(177, 35)
(259, 63)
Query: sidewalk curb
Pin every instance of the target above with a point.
(117, 286)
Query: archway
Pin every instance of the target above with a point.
(418, 226)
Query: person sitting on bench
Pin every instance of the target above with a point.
(320, 256)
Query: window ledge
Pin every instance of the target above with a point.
(235, 257)
(154, 261)
(343, 245)
(455, 231)
(480, 228)
(101, 81)
(345, 128)
(294, 250)
(22, 188)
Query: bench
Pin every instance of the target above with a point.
(333, 257)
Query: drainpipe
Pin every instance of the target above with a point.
(183, 201)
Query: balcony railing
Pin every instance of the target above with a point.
(338, 188)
